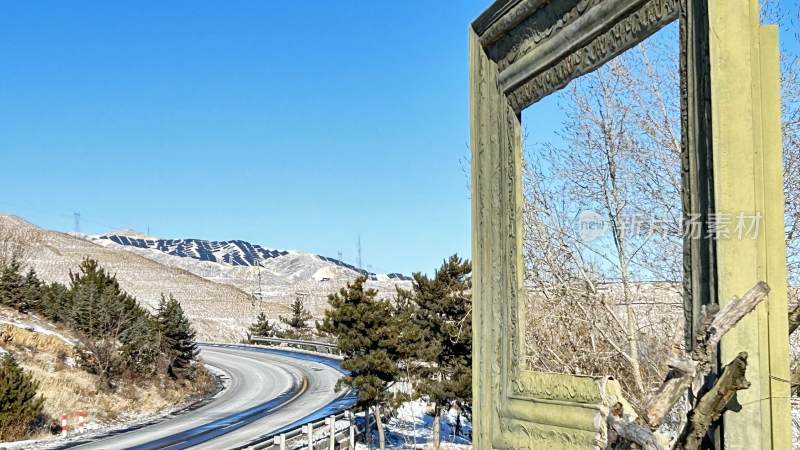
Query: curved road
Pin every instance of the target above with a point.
(267, 390)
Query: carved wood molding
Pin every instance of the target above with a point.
(521, 51)
(524, 50)
(539, 50)
(556, 386)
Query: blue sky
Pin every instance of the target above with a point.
(284, 124)
(287, 125)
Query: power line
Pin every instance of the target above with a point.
(77, 216)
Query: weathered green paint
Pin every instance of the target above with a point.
(774, 242)
(516, 408)
(748, 179)
(523, 50)
(512, 408)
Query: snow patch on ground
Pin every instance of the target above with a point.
(412, 427)
(38, 329)
(19, 445)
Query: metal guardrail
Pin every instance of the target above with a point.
(335, 439)
(314, 345)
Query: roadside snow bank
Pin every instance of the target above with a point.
(412, 427)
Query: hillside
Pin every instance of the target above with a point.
(222, 285)
(219, 312)
(270, 276)
(48, 352)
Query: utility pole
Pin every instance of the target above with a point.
(303, 296)
(259, 293)
(77, 217)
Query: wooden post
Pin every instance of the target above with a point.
(774, 246)
(309, 429)
(747, 180)
(282, 441)
(332, 431)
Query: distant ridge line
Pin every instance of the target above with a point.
(234, 252)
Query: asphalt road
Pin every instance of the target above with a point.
(267, 391)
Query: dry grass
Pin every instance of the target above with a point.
(32, 341)
(67, 389)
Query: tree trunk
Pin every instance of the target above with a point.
(631, 330)
(368, 430)
(437, 427)
(614, 206)
(633, 348)
(379, 423)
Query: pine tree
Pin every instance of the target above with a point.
(118, 332)
(365, 329)
(12, 286)
(97, 300)
(442, 313)
(297, 322)
(19, 405)
(262, 327)
(141, 348)
(177, 337)
(33, 292)
(56, 302)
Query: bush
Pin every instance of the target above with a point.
(19, 405)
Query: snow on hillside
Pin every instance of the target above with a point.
(219, 312)
(32, 327)
(237, 253)
(222, 285)
(270, 276)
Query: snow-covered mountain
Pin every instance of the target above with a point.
(235, 253)
(270, 276)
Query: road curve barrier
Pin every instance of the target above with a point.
(335, 432)
(298, 343)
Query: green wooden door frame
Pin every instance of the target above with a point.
(524, 50)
